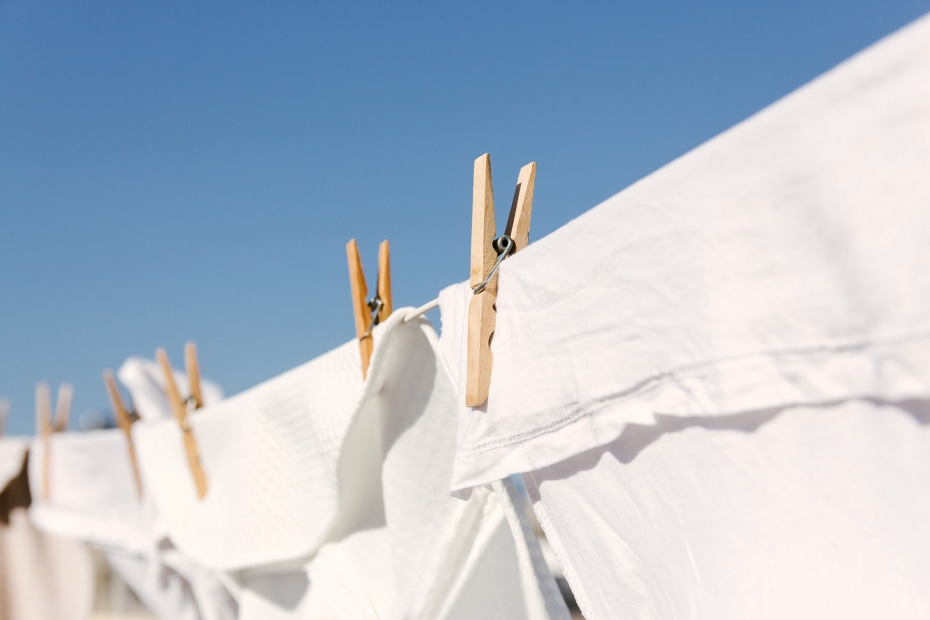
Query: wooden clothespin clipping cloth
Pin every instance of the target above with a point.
(486, 255)
(46, 426)
(369, 312)
(181, 409)
(124, 420)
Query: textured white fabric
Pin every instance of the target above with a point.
(269, 455)
(146, 384)
(406, 549)
(92, 494)
(349, 480)
(785, 261)
(806, 512)
(93, 499)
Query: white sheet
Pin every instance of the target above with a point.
(785, 261)
(803, 512)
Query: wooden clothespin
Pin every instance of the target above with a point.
(487, 253)
(124, 419)
(47, 426)
(182, 407)
(369, 312)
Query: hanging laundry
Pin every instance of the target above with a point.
(801, 512)
(146, 384)
(781, 267)
(329, 495)
(42, 576)
(93, 499)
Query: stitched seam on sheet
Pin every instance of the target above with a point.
(652, 383)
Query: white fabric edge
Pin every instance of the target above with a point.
(894, 370)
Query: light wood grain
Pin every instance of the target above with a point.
(44, 426)
(193, 373)
(384, 281)
(360, 305)
(481, 320)
(171, 388)
(63, 407)
(481, 312)
(179, 409)
(482, 309)
(483, 224)
(124, 421)
(521, 209)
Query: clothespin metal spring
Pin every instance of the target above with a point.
(504, 246)
(375, 304)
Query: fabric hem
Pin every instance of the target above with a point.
(894, 369)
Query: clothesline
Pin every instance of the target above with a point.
(744, 336)
(418, 312)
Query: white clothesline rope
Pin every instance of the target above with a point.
(431, 305)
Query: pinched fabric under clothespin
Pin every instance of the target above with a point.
(181, 407)
(487, 253)
(369, 312)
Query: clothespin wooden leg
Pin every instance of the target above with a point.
(482, 309)
(360, 305)
(384, 281)
(124, 421)
(193, 373)
(180, 413)
(44, 423)
(521, 209)
(481, 313)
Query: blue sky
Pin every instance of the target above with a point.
(192, 171)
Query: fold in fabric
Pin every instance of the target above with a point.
(270, 457)
(92, 492)
(783, 262)
(349, 483)
(93, 499)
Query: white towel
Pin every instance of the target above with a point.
(269, 456)
(92, 494)
(345, 481)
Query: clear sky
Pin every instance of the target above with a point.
(174, 171)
